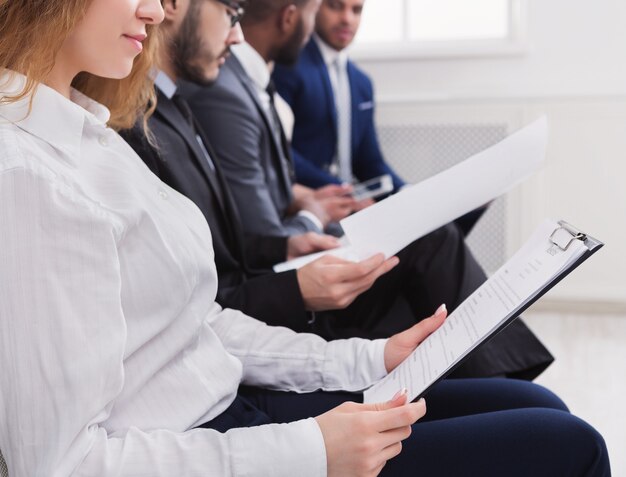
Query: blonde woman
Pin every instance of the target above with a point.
(114, 357)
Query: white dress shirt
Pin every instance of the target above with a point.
(112, 346)
(258, 70)
(330, 57)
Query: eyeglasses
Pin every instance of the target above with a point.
(235, 10)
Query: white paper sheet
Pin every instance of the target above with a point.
(517, 281)
(393, 223)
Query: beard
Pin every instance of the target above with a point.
(188, 56)
(288, 54)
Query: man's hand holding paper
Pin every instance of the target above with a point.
(331, 283)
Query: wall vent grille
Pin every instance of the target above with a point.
(418, 151)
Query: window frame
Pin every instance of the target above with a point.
(516, 44)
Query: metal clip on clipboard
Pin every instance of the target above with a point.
(565, 234)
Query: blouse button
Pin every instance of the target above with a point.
(103, 141)
(162, 194)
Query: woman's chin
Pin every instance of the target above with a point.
(120, 71)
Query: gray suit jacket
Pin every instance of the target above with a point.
(253, 159)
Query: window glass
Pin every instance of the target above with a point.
(382, 21)
(386, 21)
(458, 19)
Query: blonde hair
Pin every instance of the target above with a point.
(33, 31)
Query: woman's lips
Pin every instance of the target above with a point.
(136, 40)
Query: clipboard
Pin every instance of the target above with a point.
(561, 238)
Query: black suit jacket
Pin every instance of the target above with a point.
(242, 260)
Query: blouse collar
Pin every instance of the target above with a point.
(52, 117)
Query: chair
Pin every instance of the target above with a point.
(4, 472)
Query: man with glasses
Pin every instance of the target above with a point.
(199, 36)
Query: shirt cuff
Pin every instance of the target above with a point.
(313, 218)
(277, 449)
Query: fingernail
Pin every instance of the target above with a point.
(441, 309)
(399, 394)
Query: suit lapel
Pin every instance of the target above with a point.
(168, 111)
(233, 221)
(279, 148)
(322, 69)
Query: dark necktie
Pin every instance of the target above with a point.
(185, 111)
(279, 132)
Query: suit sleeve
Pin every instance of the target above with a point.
(273, 298)
(309, 174)
(263, 252)
(237, 139)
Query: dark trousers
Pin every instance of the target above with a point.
(473, 427)
(436, 269)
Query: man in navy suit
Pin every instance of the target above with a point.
(334, 137)
(325, 113)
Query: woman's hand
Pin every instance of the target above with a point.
(361, 438)
(401, 345)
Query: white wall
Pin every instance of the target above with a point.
(574, 71)
(575, 47)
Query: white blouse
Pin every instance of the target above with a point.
(112, 346)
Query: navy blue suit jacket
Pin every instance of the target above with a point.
(307, 89)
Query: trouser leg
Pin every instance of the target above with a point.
(463, 397)
(447, 399)
(499, 427)
(473, 427)
(520, 442)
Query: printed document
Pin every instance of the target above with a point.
(500, 298)
(391, 224)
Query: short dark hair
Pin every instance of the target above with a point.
(260, 10)
(234, 4)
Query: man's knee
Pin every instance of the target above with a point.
(445, 239)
